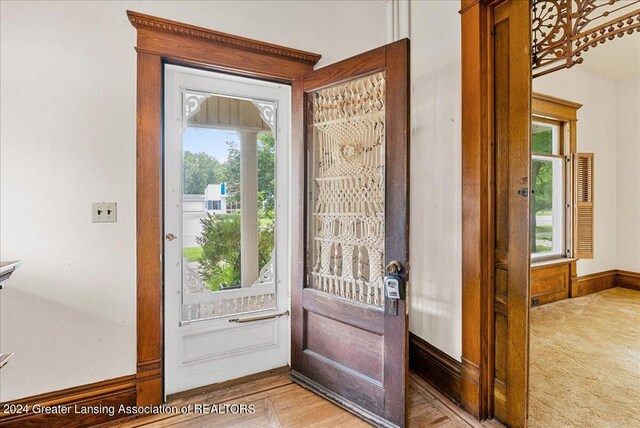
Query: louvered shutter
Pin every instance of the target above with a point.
(583, 215)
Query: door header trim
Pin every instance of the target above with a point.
(173, 28)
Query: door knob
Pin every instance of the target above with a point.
(170, 236)
(394, 267)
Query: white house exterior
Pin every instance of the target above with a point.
(215, 198)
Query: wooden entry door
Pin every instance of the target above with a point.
(351, 212)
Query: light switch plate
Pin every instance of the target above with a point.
(104, 212)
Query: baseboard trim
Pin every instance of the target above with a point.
(435, 367)
(628, 279)
(112, 392)
(592, 283)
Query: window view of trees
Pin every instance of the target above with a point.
(542, 177)
(218, 254)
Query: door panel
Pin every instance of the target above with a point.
(226, 227)
(349, 342)
(512, 115)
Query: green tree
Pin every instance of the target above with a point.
(200, 169)
(231, 173)
(542, 179)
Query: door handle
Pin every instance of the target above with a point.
(259, 317)
(170, 237)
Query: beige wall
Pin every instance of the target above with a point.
(436, 205)
(68, 139)
(628, 174)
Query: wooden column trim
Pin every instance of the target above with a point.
(476, 379)
(149, 228)
(162, 41)
(479, 304)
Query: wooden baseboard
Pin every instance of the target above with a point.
(587, 284)
(595, 282)
(94, 396)
(434, 366)
(627, 279)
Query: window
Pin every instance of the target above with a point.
(213, 205)
(549, 184)
(561, 183)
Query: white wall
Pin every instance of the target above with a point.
(628, 174)
(436, 205)
(68, 138)
(596, 133)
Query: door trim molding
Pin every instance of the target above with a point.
(478, 214)
(142, 21)
(161, 41)
(476, 377)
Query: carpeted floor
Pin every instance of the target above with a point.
(585, 361)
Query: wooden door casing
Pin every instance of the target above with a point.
(494, 369)
(370, 378)
(162, 41)
(512, 121)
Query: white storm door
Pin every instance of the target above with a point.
(226, 249)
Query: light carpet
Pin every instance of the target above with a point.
(585, 361)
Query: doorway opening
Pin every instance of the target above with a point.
(585, 283)
(375, 80)
(547, 206)
(226, 250)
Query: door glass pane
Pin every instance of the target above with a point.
(228, 201)
(548, 206)
(346, 173)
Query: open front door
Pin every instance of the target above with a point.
(350, 200)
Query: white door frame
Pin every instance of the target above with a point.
(189, 362)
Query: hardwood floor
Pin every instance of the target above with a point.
(279, 402)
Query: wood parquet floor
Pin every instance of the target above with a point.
(279, 402)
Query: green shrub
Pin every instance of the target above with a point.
(220, 241)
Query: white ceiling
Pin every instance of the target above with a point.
(616, 59)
